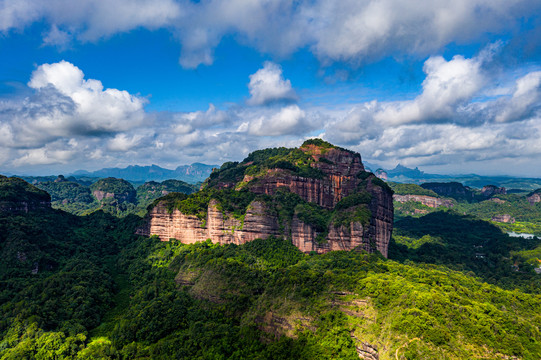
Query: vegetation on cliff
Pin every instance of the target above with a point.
(18, 191)
(411, 189)
(78, 198)
(296, 161)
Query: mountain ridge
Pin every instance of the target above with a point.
(196, 172)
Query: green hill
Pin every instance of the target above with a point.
(86, 287)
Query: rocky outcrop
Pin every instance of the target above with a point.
(340, 168)
(113, 189)
(505, 218)
(453, 190)
(429, 201)
(490, 190)
(24, 206)
(382, 174)
(340, 174)
(534, 198)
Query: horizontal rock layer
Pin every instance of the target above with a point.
(343, 175)
(429, 201)
(23, 206)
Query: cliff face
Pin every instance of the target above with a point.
(217, 227)
(340, 168)
(429, 201)
(490, 190)
(113, 189)
(336, 175)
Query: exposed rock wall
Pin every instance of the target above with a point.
(343, 175)
(429, 201)
(121, 197)
(340, 168)
(534, 198)
(221, 229)
(505, 218)
(490, 190)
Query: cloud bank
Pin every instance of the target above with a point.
(335, 30)
(70, 120)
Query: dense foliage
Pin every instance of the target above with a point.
(152, 190)
(87, 288)
(411, 189)
(77, 198)
(258, 163)
(17, 190)
(465, 243)
(66, 192)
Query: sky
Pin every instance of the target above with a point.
(448, 86)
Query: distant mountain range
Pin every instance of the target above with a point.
(402, 174)
(193, 173)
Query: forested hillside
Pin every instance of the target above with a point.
(87, 288)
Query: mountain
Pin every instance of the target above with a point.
(16, 195)
(319, 196)
(403, 174)
(194, 173)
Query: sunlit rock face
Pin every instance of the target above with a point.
(340, 173)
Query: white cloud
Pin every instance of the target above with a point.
(96, 109)
(335, 30)
(57, 37)
(526, 98)
(44, 156)
(289, 120)
(267, 85)
(89, 19)
(448, 84)
(123, 142)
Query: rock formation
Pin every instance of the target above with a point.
(382, 174)
(429, 201)
(454, 190)
(318, 172)
(505, 218)
(490, 190)
(113, 190)
(534, 197)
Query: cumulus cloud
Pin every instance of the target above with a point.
(267, 85)
(68, 115)
(526, 98)
(289, 120)
(96, 109)
(54, 153)
(345, 30)
(447, 85)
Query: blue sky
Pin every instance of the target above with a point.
(451, 87)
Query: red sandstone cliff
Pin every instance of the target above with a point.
(343, 175)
